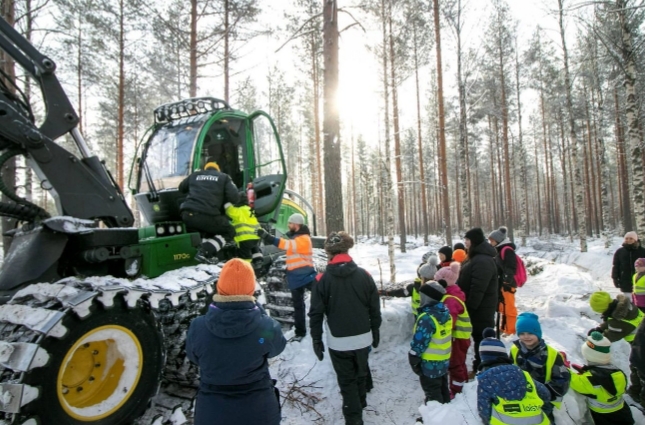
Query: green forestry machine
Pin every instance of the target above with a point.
(94, 311)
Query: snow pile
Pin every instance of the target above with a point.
(558, 294)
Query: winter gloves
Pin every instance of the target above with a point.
(264, 235)
(319, 349)
(376, 338)
(415, 362)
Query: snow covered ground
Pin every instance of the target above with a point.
(558, 294)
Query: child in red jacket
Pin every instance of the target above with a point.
(461, 328)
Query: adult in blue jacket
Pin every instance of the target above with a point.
(231, 345)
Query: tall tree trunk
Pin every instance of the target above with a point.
(400, 189)
(522, 156)
(580, 205)
(508, 213)
(631, 112)
(331, 124)
(625, 208)
(603, 177)
(9, 168)
(226, 50)
(443, 165)
(422, 176)
(385, 170)
(79, 73)
(121, 101)
(464, 191)
(537, 183)
(193, 49)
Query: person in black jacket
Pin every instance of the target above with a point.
(478, 280)
(623, 266)
(506, 261)
(231, 344)
(208, 192)
(346, 295)
(637, 363)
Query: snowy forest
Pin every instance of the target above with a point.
(476, 118)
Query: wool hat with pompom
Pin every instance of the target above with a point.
(338, 243)
(459, 255)
(599, 301)
(429, 269)
(236, 278)
(450, 274)
(640, 262)
(596, 349)
(498, 235)
(491, 348)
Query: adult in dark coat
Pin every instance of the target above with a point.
(231, 345)
(637, 362)
(207, 192)
(478, 280)
(347, 297)
(623, 268)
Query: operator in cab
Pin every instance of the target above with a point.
(203, 210)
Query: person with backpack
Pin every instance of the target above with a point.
(507, 268)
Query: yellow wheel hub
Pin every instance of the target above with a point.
(99, 373)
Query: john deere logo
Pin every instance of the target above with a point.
(156, 208)
(182, 256)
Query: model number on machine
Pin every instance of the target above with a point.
(181, 256)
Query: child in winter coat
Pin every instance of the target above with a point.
(231, 344)
(602, 383)
(445, 256)
(505, 393)
(461, 327)
(543, 362)
(620, 319)
(637, 358)
(245, 224)
(639, 284)
(425, 273)
(431, 342)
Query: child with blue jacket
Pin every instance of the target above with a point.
(505, 393)
(431, 343)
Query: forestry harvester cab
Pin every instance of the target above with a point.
(93, 311)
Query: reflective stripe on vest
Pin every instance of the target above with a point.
(635, 322)
(297, 259)
(245, 232)
(463, 327)
(639, 285)
(527, 411)
(415, 301)
(441, 343)
(601, 400)
(551, 355)
(605, 407)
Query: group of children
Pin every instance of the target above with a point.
(525, 385)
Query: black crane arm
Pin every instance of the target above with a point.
(83, 187)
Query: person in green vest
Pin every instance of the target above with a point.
(543, 362)
(620, 319)
(602, 383)
(425, 273)
(245, 224)
(429, 355)
(507, 395)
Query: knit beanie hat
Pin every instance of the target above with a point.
(296, 219)
(433, 290)
(449, 274)
(631, 235)
(425, 257)
(447, 251)
(476, 236)
(498, 235)
(528, 322)
(599, 301)
(640, 262)
(459, 255)
(338, 243)
(491, 348)
(236, 278)
(428, 270)
(457, 246)
(596, 349)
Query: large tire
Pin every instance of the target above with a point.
(104, 371)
